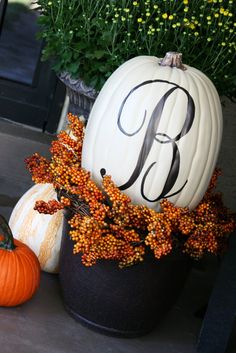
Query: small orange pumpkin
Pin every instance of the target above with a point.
(19, 269)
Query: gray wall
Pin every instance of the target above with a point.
(227, 156)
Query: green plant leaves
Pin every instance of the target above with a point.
(98, 54)
(96, 37)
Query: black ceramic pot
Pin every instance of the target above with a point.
(125, 302)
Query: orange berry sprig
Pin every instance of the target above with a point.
(173, 214)
(79, 183)
(113, 192)
(118, 203)
(66, 149)
(202, 240)
(63, 155)
(95, 242)
(76, 126)
(50, 207)
(39, 167)
(213, 182)
(123, 215)
(159, 236)
(113, 241)
(66, 154)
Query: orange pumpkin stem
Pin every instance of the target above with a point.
(8, 239)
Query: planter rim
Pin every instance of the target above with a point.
(78, 85)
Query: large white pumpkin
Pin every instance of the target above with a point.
(156, 128)
(42, 233)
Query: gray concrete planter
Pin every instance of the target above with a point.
(81, 96)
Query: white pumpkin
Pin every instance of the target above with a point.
(42, 233)
(156, 128)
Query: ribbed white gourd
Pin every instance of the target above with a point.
(42, 233)
(156, 128)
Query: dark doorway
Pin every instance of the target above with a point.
(30, 92)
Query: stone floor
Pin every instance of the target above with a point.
(43, 326)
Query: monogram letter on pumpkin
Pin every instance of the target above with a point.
(152, 135)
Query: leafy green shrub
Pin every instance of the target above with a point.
(91, 38)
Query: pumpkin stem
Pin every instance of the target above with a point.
(173, 59)
(8, 240)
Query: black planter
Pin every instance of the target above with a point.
(125, 302)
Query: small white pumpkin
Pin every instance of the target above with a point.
(42, 233)
(156, 128)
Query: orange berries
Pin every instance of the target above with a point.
(106, 225)
(50, 207)
(39, 167)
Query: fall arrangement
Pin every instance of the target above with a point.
(104, 222)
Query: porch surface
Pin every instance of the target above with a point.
(43, 326)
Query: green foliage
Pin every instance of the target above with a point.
(91, 38)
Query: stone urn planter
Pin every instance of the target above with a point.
(81, 96)
(127, 302)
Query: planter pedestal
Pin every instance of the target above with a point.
(125, 302)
